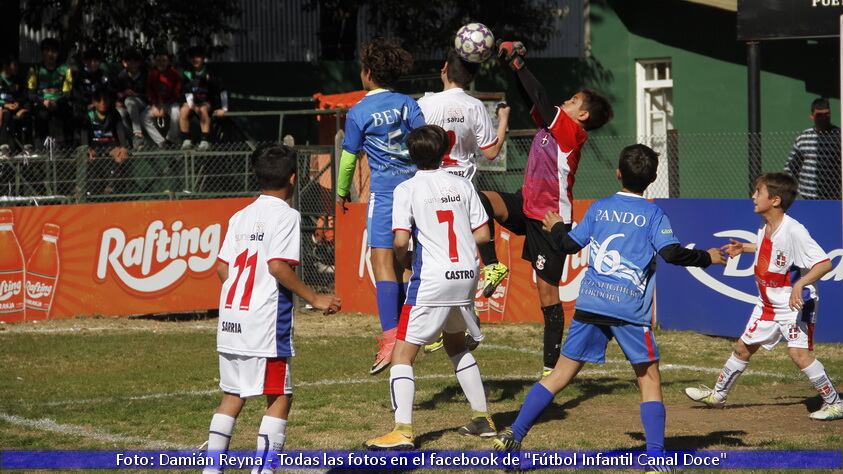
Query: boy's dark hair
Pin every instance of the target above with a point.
(598, 107)
(820, 103)
(780, 184)
(638, 165)
(91, 53)
(427, 146)
(10, 58)
(161, 51)
(460, 71)
(386, 60)
(50, 44)
(101, 94)
(132, 54)
(273, 165)
(195, 51)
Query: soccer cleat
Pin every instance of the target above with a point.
(187, 144)
(204, 145)
(394, 440)
(481, 426)
(434, 346)
(493, 275)
(383, 358)
(505, 441)
(705, 396)
(470, 342)
(828, 412)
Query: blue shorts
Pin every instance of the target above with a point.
(379, 220)
(587, 342)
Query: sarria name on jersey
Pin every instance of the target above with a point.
(172, 252)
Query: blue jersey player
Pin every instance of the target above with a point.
(379, 125)
(624, 233)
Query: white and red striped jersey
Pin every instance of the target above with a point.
(441, 211)
(789, 246)
(469, 126)
(256, 312)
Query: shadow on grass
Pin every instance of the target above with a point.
(811, 404)
(697, 442)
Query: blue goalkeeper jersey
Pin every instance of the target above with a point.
(624, 231)
(379, 124)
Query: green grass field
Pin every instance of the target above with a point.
(146, 384)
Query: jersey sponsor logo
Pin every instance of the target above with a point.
(742, 266)
(38, 290)
(158, 260)
(459, 275)
(9, 289)
(227, 326)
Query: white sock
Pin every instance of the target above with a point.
(270, 442)
(728, 376)
(219, 435)
(819, 379)
(402, 388)
(468, 375)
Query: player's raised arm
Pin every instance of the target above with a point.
(512, 53)
(502, 112)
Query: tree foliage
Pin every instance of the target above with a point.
(113, 25)
(428, 26)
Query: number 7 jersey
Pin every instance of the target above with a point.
(256, 312)
(441, 211)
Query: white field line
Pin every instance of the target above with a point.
(83, 330)
(46, 424)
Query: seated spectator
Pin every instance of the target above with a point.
(131, 94)
(92, 77)
(14, 111)
(107, 140)
(49, 85)
(204, 96)
(163, 92)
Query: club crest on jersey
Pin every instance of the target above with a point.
(781, 258)
(540, 261)
(544, 140)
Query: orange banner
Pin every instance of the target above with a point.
(113, 259)
(516, 299)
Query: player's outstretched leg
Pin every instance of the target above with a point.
(493, 271)
(468, 375)
(729, 374)
(222, 426)
(538, 398)
(832, 408)
(402, 389)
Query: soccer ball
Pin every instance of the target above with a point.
(474, 42)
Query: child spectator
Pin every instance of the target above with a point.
(201, 90)
(14, 111)
(131, 94)
(93, 77)
(107, 141)
(49, 84)
(163, 91)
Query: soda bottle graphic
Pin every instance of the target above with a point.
(12, 273)
(43, 274)
(497, 302)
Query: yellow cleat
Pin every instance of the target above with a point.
(394, 440)
(493, 275)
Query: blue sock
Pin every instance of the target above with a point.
(652, 417)
(538, 398)
(388, 305)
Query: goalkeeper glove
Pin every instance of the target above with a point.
(512, 53)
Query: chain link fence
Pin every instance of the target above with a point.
(691, 166)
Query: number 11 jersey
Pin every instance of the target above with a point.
(441, 211)
(256, 312)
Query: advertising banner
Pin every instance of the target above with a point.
(516, 299)
(114, 259)
(719, 300)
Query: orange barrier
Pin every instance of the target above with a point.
(113, 259)
(515, 301)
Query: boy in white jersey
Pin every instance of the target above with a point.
(781, 311)
(447, 221)
(255, 330)
(471, 133)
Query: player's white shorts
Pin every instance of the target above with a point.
(422, 324)
(799, 334)
(250, 376)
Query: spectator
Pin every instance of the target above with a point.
(202, 89)
(131, 94)
(92, 77)
(49, 85)
(106, 138)
(163, 91)
(815, 158)
(14, 111)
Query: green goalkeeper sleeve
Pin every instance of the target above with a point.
(348, 161)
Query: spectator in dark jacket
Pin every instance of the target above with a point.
(14, 108)
(203, 93)
(163, 93)
(131, 94)
(107, 140)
